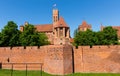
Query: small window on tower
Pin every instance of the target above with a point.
(60, 43)
(54, 18)
(61, 29)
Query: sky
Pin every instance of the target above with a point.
(94, 12)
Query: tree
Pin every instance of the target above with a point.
(106, 37)
(110, 36)
(30, 37)
(10, 35)
(43, 39)
(84, 38)
(99, 38)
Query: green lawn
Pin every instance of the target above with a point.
(22, 73)
(38, 73)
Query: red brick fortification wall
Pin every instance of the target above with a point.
(97, 59)
(56, 59)
(31, 54)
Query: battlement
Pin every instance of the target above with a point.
(98, 47)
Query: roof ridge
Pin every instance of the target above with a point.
(61, 23)
(42, 24)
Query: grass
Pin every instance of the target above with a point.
(38, 73)
(22, 73)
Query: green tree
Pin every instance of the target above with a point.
(30, 37)
(43, 39)
(84, 38)
(99, 38)
(110, 36)
(10, 35)
(106, 37)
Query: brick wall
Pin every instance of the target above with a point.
(20, 55)
(97, 59)
(63, 59)
(56, 59)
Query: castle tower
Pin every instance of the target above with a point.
(55, 15)
(61, 32)
(84, 26)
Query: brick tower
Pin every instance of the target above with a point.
(58, 32)
(61, 30)
(55, 15)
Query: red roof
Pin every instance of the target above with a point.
(84, 24)
(60, 23)
(44, 28)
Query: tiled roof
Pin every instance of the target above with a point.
(60, 23)
(84, 24)
(44, 28)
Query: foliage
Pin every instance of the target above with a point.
(110, 36)
(43, 39)
(106, 37)
(10, 35)
(30, 37)
(84, 38)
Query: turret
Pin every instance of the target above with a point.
(55, 16)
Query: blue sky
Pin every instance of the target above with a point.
(74, 12)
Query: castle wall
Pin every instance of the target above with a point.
(63, 59)
(58, 60)
(97, 59)
(55, 59)
(20, 55)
